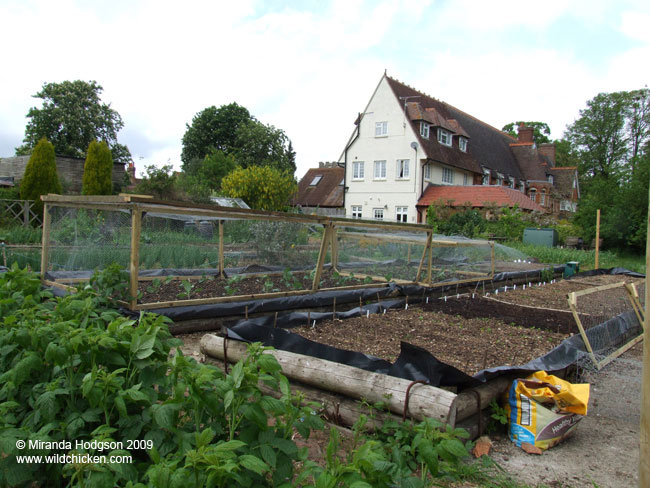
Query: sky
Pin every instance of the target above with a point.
(309, 67)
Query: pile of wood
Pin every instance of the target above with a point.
(345, 391)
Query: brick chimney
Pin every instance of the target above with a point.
(130, 169)
(525, 134)
(547, 149)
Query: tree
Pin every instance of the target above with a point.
(261, 187)
(72, 116)
(264, 145)
(541, 130)
(157, 182)
(212, 129)
(98, 170)
(215, 167)
(40, 176)
(232, 130)
(163, 184)
(599, 136)
(611, 142)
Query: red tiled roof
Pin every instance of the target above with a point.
(477, 196)
(327, 193)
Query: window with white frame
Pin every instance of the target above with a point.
(402, 169)
(542, 198)
(499, 179)
(381, 129)
(357, 170)
(550, 179)
(462, 144)
(316, 180)
(465, 179)
(424, 130)
(533, 194)
(427, 172)
(447, 175)
(380, 170)
(356, 211)
(511, 182)
(522, 187)
(378, 213)
(444, 137)
(486, 177)
(402, 214)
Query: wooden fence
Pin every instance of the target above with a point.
(21, 211)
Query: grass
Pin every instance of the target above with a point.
(587, 259)
(17, 234)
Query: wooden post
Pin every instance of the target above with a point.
(597, 236)
(493, 259)
(45, 249)
(424, 253)
(222, 262)
(430, 258)
(321, 256)
(136, 227)
(644, 444)
(26, 206)
(335, 249)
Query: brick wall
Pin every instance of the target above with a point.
(70, 171)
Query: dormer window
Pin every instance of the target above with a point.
(486, 177)
(316, 180)
(424, 130)
(511, 182)
(462, 144)
(444, 137)
(381, 129)
(499, 179)
(522, 187)
(550, 179)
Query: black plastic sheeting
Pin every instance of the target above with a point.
(415, 363)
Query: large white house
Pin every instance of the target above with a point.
(409, 150)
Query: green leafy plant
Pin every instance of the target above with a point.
(187, 286)
(155, 286)
(74, 369)
(498, 417)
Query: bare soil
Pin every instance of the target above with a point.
(162, 289)
(469, 344)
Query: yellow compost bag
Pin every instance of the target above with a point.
(543, 409)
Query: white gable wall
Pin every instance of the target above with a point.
(390, 192)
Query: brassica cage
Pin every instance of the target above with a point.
(179, 254)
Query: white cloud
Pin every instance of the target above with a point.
(306, 72)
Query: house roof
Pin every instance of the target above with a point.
(477, 196)
(563, 180)
(488, 147)
(327, 192)
(533, 166)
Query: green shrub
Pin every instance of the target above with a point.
(40, 176)
(98, 170)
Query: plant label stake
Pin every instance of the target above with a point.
(367, 314)
(334, 309)
(275, 320)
